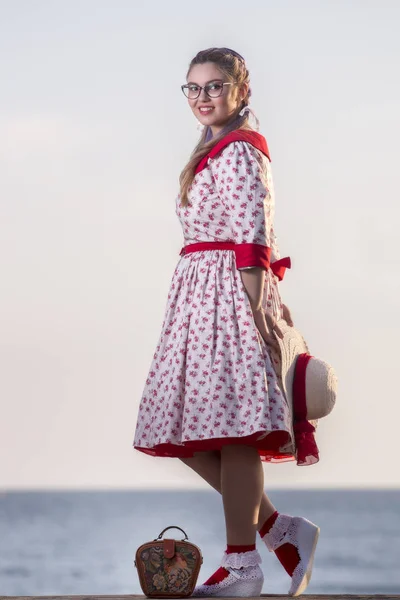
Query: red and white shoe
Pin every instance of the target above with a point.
(303, 535)
(239, 576)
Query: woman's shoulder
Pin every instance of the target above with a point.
(241, 141)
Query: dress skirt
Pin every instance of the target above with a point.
(212, 379)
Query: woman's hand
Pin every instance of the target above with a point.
(275, 331)
(253, 283)
(273, 327)
(264, 323)
(272, 322)
(287, 316)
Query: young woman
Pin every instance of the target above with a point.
(213, 396)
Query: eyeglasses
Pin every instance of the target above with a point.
(213, 89)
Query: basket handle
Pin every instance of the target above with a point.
(172, 527)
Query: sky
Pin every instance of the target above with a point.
(94, 132)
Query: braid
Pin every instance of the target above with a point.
(244, 77)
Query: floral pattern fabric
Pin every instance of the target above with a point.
(212, 380)
(176, 575)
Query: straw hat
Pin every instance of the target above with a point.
(309, 383)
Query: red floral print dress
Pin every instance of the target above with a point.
(211, 380)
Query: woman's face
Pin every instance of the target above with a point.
(223, 107)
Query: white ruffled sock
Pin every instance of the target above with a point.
(238, 575)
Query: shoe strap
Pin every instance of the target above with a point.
(233, 572)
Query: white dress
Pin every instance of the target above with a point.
(211, 380)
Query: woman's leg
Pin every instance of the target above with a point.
(289, 552)
(242, 484)
(238, 474)
(208, 466)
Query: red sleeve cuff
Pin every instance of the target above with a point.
(252, 255)
(279, 267)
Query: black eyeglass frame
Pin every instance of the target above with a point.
(205, 88)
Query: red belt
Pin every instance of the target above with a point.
(208, 246)
(246, 255)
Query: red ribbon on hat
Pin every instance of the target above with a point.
(307, 449)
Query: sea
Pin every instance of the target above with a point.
(84, 542)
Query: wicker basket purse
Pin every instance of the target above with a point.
(168, 568)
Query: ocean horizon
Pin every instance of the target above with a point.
(64, 542)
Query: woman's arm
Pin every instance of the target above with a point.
(253, 281)
(242, 184)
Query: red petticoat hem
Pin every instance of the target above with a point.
(268, 447)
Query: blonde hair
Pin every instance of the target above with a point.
(233, 67)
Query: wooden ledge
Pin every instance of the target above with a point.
(268, 596)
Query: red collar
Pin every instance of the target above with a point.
(252, 137)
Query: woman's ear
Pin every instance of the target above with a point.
(243, 91)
